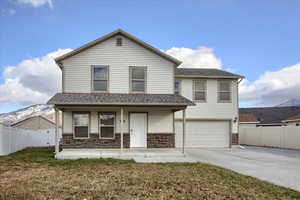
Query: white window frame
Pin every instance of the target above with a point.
(73, 125)
(145, 79)
(179, 86)
(114, 126)
(219, 91)
(92, 78)
(205, 90)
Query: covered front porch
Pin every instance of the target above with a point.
(118, 128)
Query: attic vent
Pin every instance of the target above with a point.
(119, 42)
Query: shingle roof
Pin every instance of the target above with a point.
(272, 115)
(204, 72)
(119, 99)
(247, 118)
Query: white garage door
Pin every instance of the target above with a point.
(203, 134)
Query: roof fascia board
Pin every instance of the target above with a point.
(212, 77)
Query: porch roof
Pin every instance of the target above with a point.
(113, 99)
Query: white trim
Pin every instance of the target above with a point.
(205, 90)
(145, 79)
(92, 78)
(99, 125)
(230, 91)
(73, 130)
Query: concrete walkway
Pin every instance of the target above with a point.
(278, 166)
(139, 155)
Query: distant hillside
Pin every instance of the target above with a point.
(292, 102)
(34, 110)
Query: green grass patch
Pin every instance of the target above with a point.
(35, 174)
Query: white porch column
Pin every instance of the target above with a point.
(121, 127)
(56, 130)
(183, 130)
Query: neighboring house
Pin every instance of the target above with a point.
(34, 123)
(247, 120)
(119, 92)
(271, 116)
(292, 121)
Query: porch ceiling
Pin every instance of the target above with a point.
(119, 99)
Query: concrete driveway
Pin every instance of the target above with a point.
(278, 166)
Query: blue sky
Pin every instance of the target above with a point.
(249, 37)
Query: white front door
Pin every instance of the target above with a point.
(138, 130)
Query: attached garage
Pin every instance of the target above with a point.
(203, 133)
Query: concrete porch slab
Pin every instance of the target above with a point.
(138, 155)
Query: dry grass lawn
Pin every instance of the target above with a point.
(35, 174)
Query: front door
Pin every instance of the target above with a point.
(138, 130)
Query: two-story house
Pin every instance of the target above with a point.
(119, 92)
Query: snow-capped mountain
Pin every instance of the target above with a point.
(292, 102)
(34, 110)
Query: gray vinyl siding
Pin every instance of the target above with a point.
(77, 69)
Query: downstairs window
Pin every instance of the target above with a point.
(81, 125)
(107, 125)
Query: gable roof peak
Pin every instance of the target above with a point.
(112, 34)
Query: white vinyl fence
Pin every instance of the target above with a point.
(281, 137)
(14, 139)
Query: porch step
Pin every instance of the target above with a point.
(139, 156)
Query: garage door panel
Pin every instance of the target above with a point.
(203, 134)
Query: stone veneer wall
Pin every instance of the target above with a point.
(235, 138)
(154, 140)
(161, 140)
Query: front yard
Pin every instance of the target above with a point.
(35, 174)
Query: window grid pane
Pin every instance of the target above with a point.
(224, 91)
(138, 79)
(100, 85)
(224, 86)
(107, 125)
(81, 131)
(200, 85)
(138, 73)
(225, 96)
(81, 125)
(177, 87)
(100, 78)
(138, 86)
(81, 119)
(100, 73)
(199, 90)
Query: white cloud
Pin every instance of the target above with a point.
(201, 57)
(273, 88)
(7, 12)
(34, 3)
(31, 81)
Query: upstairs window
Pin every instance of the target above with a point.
(81, 125)
(138, 79)
(107, 125)
(199, 90)
(224, 91)
(119, 42)
(177, 87)
(100, 78)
